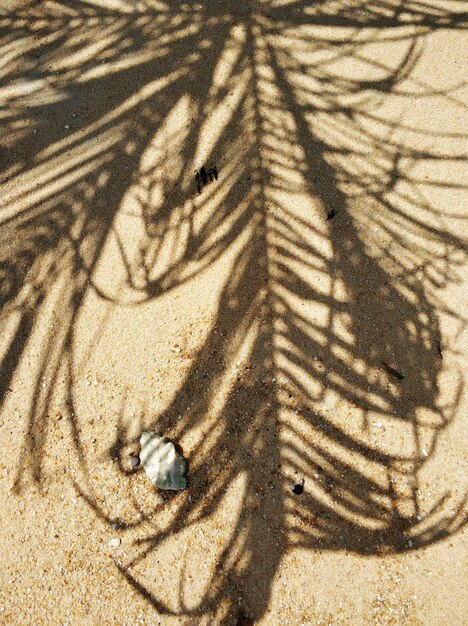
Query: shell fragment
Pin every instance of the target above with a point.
(163, 465)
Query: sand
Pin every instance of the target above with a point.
(299, 317)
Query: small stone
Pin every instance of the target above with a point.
(163, 465)
(134, 461)
(410, 543)
(243, 620)
(298, 487)
(115, 543)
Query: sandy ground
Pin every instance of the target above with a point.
(300, 317)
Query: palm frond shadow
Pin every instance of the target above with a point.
(324, 359)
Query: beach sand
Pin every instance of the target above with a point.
(298, 318)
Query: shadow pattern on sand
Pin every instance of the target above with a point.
(340, 305)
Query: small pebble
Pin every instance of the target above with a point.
(134, 461)
(242, 620)
(410, 544)
(298, 487)
(115, 543)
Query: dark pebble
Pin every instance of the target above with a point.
(134, 461)
(298, 487)
(118, 525)
(242, 620)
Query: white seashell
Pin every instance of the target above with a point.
(163, 465)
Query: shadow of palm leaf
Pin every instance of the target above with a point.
(323, 361)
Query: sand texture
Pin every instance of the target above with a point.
(241, 224)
